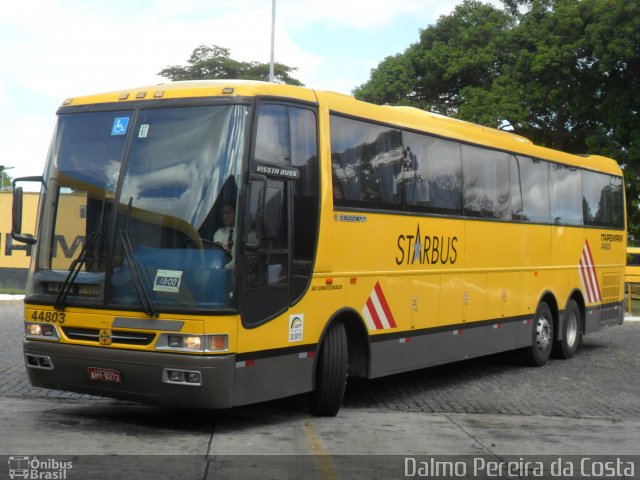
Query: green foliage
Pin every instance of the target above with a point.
(564, 73)
(215, 62)
(5, 180)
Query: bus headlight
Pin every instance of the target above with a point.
(193, 343)
(41, 331)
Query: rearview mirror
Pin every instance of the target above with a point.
(16, 210)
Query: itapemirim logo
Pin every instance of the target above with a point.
(34, 468)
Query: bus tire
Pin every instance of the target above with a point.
(542, 342)
(331, 372)
(571, 332)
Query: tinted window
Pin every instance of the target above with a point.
(366, 159)
(272, 136)
(566, 202)
(431, 174)
(487, 183)
(633, 259)
(533, 178)
(603, 200)
(616, 192)
(594, 202)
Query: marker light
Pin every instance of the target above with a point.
(217, 343)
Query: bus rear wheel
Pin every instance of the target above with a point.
(331, 372)
(571, 332)
(542, 342)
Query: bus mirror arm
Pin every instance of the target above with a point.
(16, 210)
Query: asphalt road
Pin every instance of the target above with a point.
(487, 410)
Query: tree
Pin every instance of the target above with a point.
(564, 73)
(214, 62)
(5, 179)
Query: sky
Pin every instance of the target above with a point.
(55, 49)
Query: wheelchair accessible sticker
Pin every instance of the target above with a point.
(120, 125)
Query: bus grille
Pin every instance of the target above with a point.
(611, 287)
(117, 336)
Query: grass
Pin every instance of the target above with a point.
(11, 291)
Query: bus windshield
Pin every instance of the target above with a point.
(134, 209)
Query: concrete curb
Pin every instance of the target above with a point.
(4, 296)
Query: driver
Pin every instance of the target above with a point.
(224, 237)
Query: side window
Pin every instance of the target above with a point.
(602, 200)
(633, 260)
(366, 159)
(272, 136)
(566, 201)
(517, 201)
(616, 193)
(487, 183)
(594, 198)
(533, 177)
(431, 174)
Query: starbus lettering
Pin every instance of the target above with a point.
(426, 249)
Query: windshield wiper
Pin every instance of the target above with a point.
(148, 305)
(74, 269)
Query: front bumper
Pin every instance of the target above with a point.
(141, 374)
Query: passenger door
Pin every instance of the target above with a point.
(282, 211)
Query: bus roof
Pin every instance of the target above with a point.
(404, 117)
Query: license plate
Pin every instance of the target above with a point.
(104, 375)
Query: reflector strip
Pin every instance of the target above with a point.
(376, 311)
(588, 275)
(245, 363)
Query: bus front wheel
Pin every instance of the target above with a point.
(542, 342)
(571, 332)
(331, 372)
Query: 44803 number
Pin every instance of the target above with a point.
(48, 316)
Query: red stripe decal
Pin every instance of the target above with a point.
(385, 305)
(593, 269)
(374, 314)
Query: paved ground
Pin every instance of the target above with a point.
(602, 380)
(492, 410)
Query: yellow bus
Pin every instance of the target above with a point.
(236, 242)
(632, 272)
